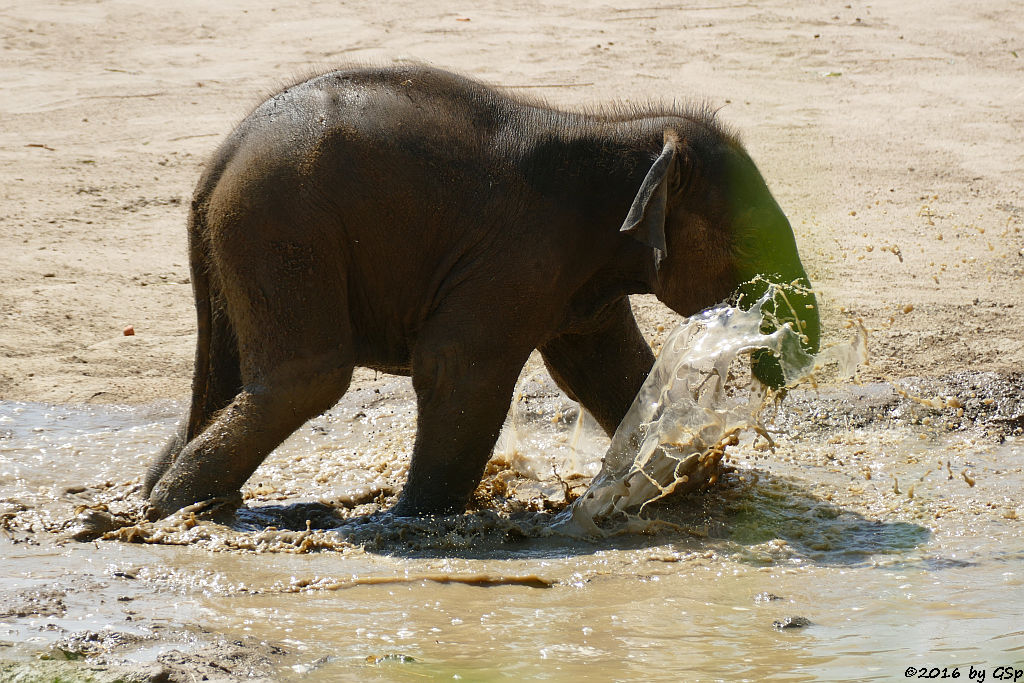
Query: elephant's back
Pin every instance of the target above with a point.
(371, 132)
(416, 110)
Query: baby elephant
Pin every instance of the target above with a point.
(420, 223)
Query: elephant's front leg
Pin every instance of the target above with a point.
(604, 367)
(462, 397)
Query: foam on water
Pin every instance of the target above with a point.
(674, 436)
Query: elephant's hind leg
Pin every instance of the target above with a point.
(221, 459)
(285, 298)
(216, 382)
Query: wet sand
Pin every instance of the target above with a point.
(916, 508)
(889, 135)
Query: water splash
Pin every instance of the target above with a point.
(674, 436)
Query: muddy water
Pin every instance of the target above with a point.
(890, 528)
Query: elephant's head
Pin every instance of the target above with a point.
(714, 228)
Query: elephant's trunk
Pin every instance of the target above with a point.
(767, 253)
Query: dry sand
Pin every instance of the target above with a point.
(891, 135)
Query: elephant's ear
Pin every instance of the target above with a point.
(646, 218)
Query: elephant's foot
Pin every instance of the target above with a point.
(165, 501)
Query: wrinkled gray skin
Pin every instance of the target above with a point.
(416, 222)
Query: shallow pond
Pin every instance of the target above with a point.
(876, 537)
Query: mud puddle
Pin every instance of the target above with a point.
(883, 532)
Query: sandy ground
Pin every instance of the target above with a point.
(890, 134)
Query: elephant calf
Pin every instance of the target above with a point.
(421, 223)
